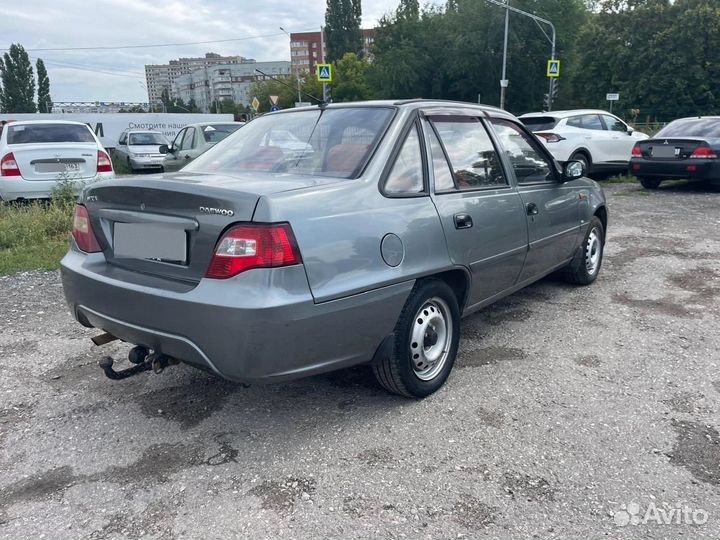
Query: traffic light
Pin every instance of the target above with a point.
(555, 88)
(546, 102)
(327, 93)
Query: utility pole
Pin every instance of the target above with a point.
(503, 78)
(297, 70)
(538, 20)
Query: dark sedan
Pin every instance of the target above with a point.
(685, 148)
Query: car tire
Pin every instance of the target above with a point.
(425, 342)
(584, 159)
(585, 266)
(649, 183)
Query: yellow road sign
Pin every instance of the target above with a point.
(553, 68)
(255, 104)
(324, 73)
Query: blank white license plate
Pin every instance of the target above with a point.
(148, 241)
(664, 151)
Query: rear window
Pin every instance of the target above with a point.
(691, 127)
(539, 123)
(318, 142)
(217, 132)
(48, 133)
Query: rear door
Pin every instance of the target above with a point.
(551, 207)
(481, 211)
(593, 135)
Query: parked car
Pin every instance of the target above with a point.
(140, 149)
(261, 267)
(36, 154)
(599, 140)
(194, 140)
(685, 148)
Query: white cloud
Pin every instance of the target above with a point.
(117, 74)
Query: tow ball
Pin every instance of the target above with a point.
(143, 359)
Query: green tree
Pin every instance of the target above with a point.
(18, 82)
(43, 91)
(351, 82)
(342, 28)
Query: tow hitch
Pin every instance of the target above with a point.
(143, 359)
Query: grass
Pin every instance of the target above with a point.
(620, 179)
(120, 165)
(35, 236)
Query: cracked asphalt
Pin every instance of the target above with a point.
(571, 413)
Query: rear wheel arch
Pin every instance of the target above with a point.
(585, 153)
(459, 281)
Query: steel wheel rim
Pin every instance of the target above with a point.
(593, 250)
(431, 338)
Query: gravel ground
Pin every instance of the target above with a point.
(570, 412)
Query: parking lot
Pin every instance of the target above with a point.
(570, 412)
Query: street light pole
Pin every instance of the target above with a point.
(297, 71)
(503, 79)
(538, 20)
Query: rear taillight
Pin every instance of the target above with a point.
(103, 162)
(704, 152)
(253, 246)
(8, 166)
(551, 137)
(82, 231)
(636, 152)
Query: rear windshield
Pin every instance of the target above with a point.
(147, 139)
(317, 142)
(48, 133)
(217, 132)
(691, 127)
(539, 123)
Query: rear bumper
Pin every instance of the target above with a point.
(693, 169)
(261, 326)
(13, 187)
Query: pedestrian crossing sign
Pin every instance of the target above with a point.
(553, 68)
(324, 73)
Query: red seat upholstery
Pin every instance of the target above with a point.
(264, 159)
(344, 159)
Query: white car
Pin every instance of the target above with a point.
(141, 150)
(36, 154)
(600, 140)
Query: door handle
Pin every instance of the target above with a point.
(463, 221)
(187, 156)
(532, 209)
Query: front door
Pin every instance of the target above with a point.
(481, 212)
(552, 207)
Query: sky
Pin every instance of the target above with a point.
(119, 75)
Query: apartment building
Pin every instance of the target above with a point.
(161, 76)
(224, 82)
(307, 49)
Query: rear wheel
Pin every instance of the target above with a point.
(582, 158)
(425, 342)
(585, 266)
(649, 183)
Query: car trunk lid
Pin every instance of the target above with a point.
(53, 161)
(168, 226)
(671, 148)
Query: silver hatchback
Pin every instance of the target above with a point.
(395, 219)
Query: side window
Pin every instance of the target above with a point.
(123, 138)
(529, 164)
(406, 175)
(585, 121)
(473, 159)
(178, 138)
(613, 124)
(188, 139)
(441, 168)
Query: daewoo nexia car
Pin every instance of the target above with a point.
(36, 154)
(261, 265)
(685, 148)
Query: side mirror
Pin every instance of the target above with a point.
(630, 131)
(164, 149)
(573, 170)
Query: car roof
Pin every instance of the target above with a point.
(564, 114)
(40, 122)
(204, 124)
(709, 117)
(415, 103)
